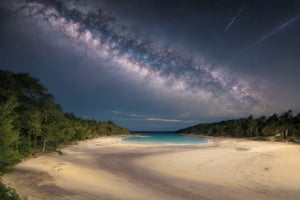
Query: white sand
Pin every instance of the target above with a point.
(108, 168)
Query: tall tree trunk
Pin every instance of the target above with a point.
(29, 140)
(35, 141)
(256, 132)
(44, 145)
(286, 135)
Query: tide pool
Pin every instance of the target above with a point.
(164, 137)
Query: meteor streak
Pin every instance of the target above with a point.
(233, 20)
(279, 28)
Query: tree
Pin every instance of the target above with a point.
(282, 127)
(8, 133)
(7, 193)
(35, 126)
(30, 118)
(286, 124)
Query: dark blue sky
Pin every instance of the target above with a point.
(158, 64)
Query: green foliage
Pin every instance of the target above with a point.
(31, 121)
(7, 193)
(8, 133)
(8, 157)
(283, 127)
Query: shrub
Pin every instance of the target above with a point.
(7, 193)
(8, 157)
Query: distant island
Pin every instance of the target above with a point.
(278, 127)
(32, 122)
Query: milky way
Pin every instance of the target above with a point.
(164, 70)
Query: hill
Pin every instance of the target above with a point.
(283, 127)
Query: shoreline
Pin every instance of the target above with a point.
(110, 168)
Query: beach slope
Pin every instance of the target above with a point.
(109, 168)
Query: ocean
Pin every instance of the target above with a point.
(164, 137)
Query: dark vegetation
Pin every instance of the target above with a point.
(282, 127)
(32, 122)
(7, 193)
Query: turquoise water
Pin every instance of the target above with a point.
(164, 137)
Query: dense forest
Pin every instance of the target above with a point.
(278, 127)
(32, 122)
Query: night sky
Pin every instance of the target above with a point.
(158, 64)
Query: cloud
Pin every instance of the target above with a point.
(168, 120)
(136, 115)
(185, 114)
(159, 119)
(116, 112)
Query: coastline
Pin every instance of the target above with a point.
(109, 168)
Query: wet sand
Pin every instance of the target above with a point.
(108, 168)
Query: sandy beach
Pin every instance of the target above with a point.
(109, 168)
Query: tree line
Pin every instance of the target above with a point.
(31, 121)
(278, 127)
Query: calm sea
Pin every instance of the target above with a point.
(164, 137)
